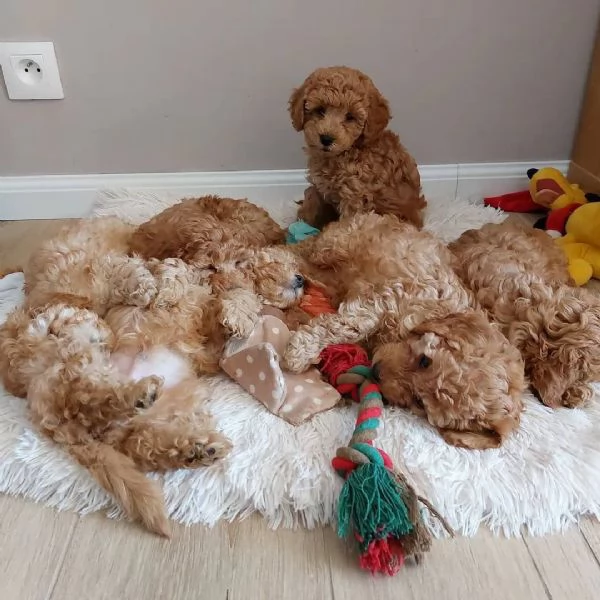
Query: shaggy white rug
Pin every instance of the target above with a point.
(545, 477)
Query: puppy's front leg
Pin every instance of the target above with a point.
(314, 210)
(129, 280)
(240, 310)
(353, 322)
(173, 278)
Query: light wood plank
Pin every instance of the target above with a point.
(33, 543)
(567, 565)
(590, 528)
(281, 564)
(115, 559)
(486, 566)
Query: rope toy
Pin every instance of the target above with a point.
(377, 503)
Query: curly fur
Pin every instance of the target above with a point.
(86, 265)
(433, 352)
(365, 167)
(60, 358)
(520, 276)
(198, 229)
(80, 378)
(187, 317)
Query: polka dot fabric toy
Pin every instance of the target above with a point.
(254, 364)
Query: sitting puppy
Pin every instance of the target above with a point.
(197, 230)
(60, 359)
(355, 165)
(521, 277)
(433, 352)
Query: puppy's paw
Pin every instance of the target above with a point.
(301, 352)
(147, 391)
(240, 311)
(172, 279)
(141, 289)
(240, 325)
(577, 395)
(201, 450)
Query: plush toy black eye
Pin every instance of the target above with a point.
(424, 362)
(320, 111)
(350, 117)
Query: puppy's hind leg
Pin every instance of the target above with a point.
(175, 433)
(182, 442)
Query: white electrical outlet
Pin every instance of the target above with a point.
(30, 71)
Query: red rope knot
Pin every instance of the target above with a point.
(335, 363)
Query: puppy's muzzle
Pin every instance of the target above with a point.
(298, 282)
(326, 140)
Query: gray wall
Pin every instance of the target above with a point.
(202, 85)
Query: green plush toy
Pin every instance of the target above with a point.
(299, 231)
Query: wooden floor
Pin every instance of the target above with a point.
(49, 555)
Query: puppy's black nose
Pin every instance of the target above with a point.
(326, 140)
(375, 371)
(298, 282)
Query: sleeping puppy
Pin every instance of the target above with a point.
(433, 352)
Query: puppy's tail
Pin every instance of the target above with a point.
(140, 497)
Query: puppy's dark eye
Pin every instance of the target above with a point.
(418, 402)
(211, 269)
(424, 361)
(350, 117)
(320, 111)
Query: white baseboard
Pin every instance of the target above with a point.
(72, 196)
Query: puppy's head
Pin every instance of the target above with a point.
(558, 337)
(338, 107)
(277, 276)
(460, 373)
(272, 272)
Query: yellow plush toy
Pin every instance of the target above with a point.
(582, 243)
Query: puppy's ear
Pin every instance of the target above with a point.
(474, 440)
(378, 116)
(296, 107)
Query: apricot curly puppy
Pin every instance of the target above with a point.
(433, 352)
(187, 317)
(521, 277)
(198, 229)
(86, 265)
(355, 165)
(60, 359)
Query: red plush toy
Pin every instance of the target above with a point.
(549, 191)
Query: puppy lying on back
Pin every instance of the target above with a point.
(60, 359)
(355, 164)
(433, 353)
(520, 276)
